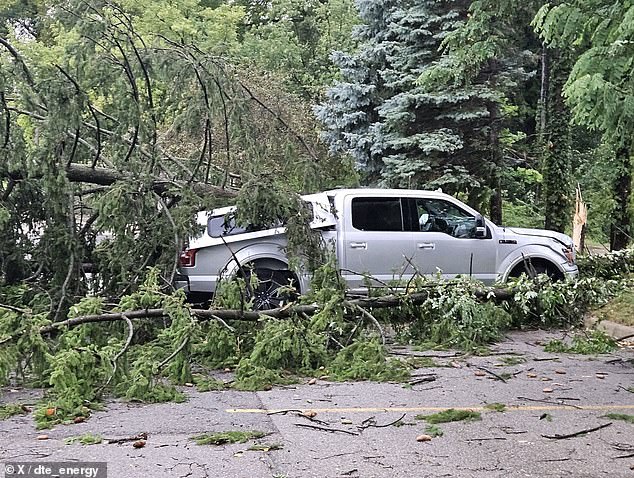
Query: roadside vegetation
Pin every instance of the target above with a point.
(118, 125)
(127, 352)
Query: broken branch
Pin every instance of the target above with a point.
(576, 434)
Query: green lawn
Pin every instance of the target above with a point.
(620, 309)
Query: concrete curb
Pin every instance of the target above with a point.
(614, 330)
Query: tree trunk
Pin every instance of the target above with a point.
(621, 230)
(80, 173)
(495, 183)
(557, 146)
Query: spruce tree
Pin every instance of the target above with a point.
(402, 133)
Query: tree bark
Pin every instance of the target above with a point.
(621, 230)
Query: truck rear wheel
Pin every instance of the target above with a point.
(274, 288)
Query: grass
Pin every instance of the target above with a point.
(620, 416)
(87, 439)
(619, 310)
(11, 409)
(223, 438)
(450, 415)
(496, 407)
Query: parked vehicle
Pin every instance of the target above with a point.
(384, 234)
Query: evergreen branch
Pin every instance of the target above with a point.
(18, 58)
(280, 120)
(14, 309)
(120, 353)
(372, 319)
(174, 353)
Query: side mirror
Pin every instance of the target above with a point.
(480, 231)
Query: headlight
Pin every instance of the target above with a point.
(569, 253)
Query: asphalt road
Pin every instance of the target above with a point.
(546, 395)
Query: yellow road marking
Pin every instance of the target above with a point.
(519, 408)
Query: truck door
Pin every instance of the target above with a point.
(375, 242)
(444, 241)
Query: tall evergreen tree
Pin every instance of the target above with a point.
(402, 132)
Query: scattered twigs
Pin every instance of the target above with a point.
(426, 378)
(486, 439)
(576, 434)
(325, 429)
(371, 422)
(119, 441)
(626, 389)
(625, 337)
(631, 455)
(493, 374)
(223, 323)
(550, 402)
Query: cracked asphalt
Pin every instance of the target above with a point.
(546, 395)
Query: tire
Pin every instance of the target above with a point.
(535, 268)
(271, 291)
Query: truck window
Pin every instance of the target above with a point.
(223, 226)
(377, 214)
(438, 215)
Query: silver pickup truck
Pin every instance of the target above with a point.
(384, 234)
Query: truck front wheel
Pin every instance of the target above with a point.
(535, 267)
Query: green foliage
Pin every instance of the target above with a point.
(264, 202)
(218, 347)
(496, 407)
(266, 447)
(86, 439)
(590, 343)
(450, 415)
(224, 438)
(612, 266)
(367, 360)
(510, 361)
(434, 431)
(620, 416)
(252, 377)
(452, 316)
(289, 345)
(11, 409)
(541, 301)
(207, 384)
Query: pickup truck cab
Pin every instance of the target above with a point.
(380, 234)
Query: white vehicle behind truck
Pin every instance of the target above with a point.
(384, 234)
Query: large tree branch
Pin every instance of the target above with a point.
(79, 173)
(280, 313)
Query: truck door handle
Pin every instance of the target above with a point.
(358, 245)
(426, 245)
